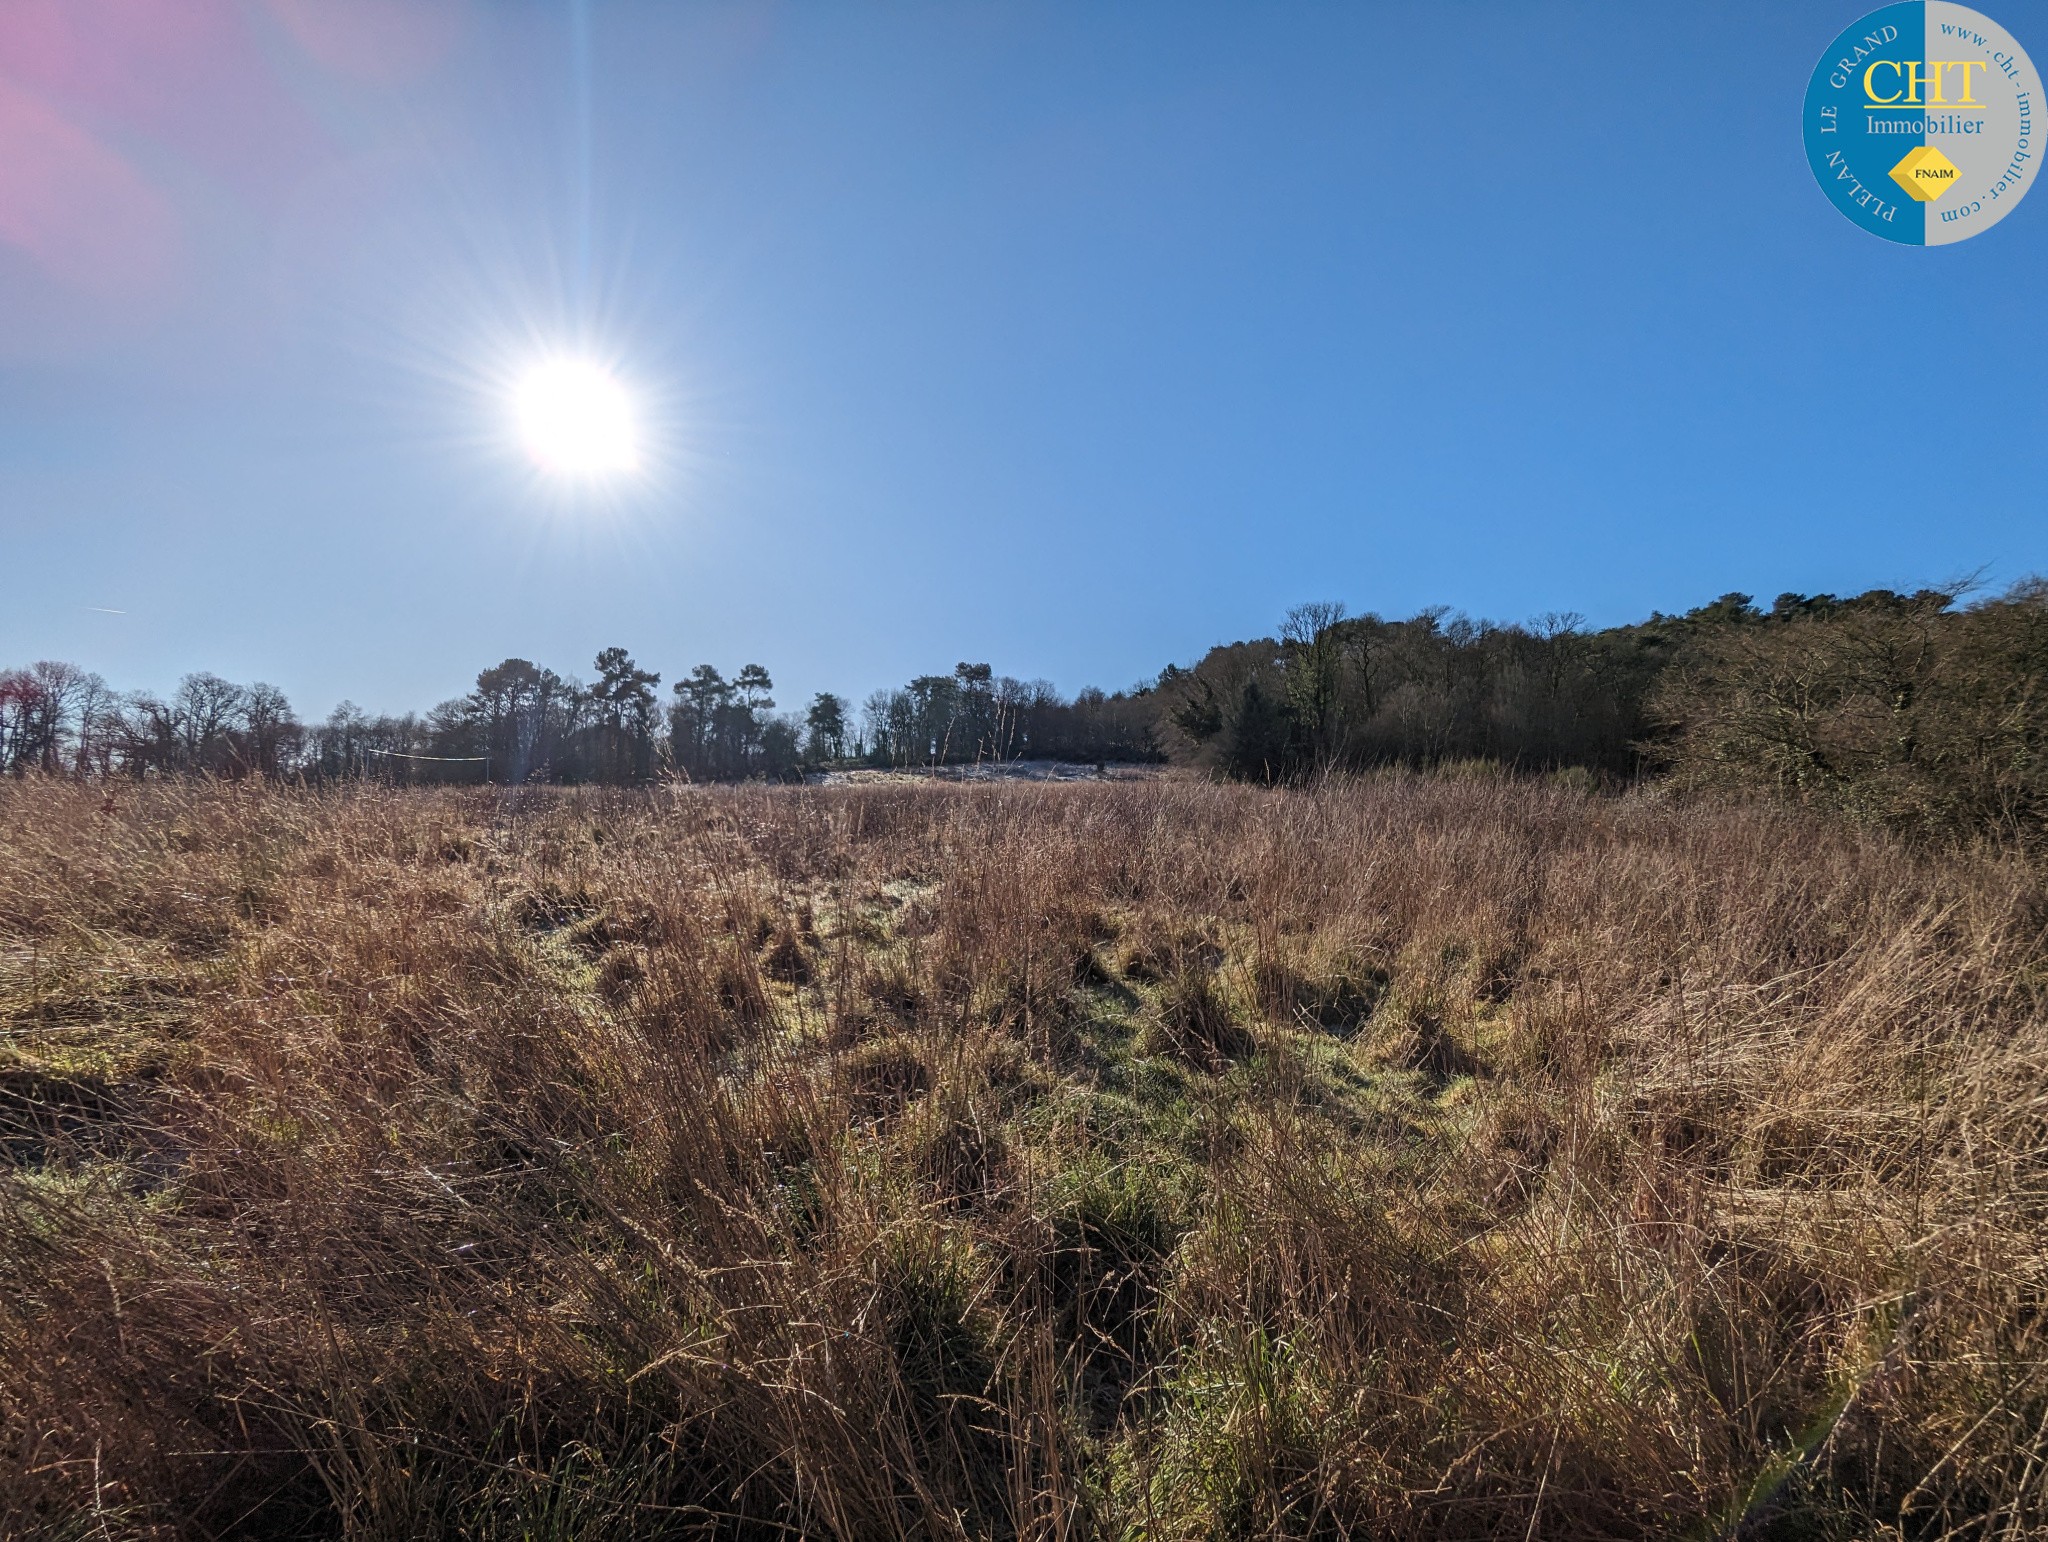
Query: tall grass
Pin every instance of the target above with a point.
(1409, 1158)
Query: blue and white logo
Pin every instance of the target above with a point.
(1922, 123)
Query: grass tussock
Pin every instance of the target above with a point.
(1413, 1158)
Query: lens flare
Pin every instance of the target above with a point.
(576, 419)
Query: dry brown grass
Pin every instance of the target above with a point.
(1420, 1158)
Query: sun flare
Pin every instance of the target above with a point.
(576, 419)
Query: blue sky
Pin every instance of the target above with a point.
(1070, 337)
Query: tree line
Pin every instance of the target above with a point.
(524, 722)
(972, 715)
(1912, 710)
(58, 718)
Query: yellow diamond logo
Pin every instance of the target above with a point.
(1925, 173)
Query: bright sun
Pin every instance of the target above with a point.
(576, 419)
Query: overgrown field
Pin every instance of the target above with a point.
(1412, 1158)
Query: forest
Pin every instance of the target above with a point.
(1908, 709)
